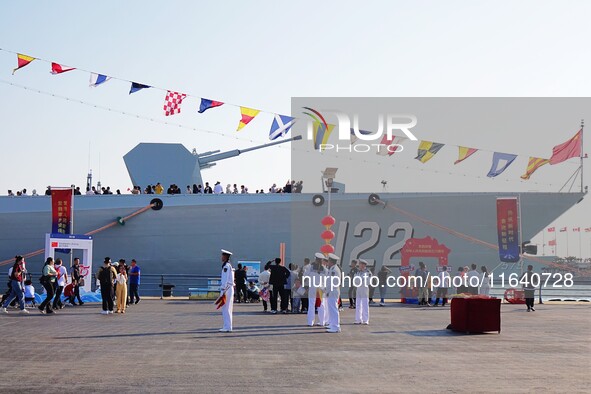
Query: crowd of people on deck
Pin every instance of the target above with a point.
(290, 187)
(56, 280)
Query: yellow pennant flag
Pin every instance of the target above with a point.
(532, 165)
(247, 114)
(321, 134)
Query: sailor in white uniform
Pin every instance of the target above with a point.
(334, 293)
(227, 287)
(362, 284)
(317, 275)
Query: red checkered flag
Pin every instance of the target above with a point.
(172, 103)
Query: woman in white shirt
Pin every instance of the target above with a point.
(121, 292)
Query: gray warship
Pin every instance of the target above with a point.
(183, 233)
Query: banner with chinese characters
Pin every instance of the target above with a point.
(61, 212)
(508, 229)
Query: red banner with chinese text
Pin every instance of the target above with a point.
(61, 210)
(508, 229)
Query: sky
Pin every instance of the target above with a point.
(260, 55)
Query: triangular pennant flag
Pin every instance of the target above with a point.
(22, 61)
(137, 86)
(568, 149)
(500, 163)
(390, 146)
(464, 153)
(58, 68)
(247, 114)
(207, 104)
(97, 79)
(280, 126)
(172, 103)
(532, 165)
(427, 150)
(321, 134)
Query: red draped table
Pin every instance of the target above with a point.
(476, 314)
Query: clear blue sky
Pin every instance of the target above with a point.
(260, 54)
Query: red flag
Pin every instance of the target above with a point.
(58, 68)
(568, 149)
(552, 242)
(551, 229)
(576, 229)
(588, 229)
(221, 301)
(172, 102)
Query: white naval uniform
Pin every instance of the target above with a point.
(362, 304)
(227, 285)
(316, 278)
(332, 300)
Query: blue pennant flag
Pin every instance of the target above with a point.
(207, 104)
(137, 86)
(280, 126)
(500, 163)
(97, 79)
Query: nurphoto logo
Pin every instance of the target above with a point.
(386, 138)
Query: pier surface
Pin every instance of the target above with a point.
(174, 346)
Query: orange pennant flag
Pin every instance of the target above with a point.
(464, 153)
(22, 60)
(532, 165)
(247, 114)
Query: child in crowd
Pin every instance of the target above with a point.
(29, 293)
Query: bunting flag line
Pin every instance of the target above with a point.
(552, 242)
(321, 134)
(247, 114)
(588, 229)
(58, 68)
(551, 229)
(385, 149)
(568, 149)
(135, 87)
(464, 153)
(22, 61)
(562, 230)
(532, 165)
(427, 150)
(207, 104)
(576, 229)
(172, 103)
(97, 79)
(500, 163)
(280, 126)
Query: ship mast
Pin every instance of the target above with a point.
(582, 155)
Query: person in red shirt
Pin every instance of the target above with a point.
(16, 279)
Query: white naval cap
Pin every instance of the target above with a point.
(319, 256)
(333, 257)
(224, 251)
(363, 261)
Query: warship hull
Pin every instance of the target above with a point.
(186, 234)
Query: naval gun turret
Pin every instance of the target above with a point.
(150, 163)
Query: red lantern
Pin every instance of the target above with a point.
(327, 248)
(328, 221)
(327, 235)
